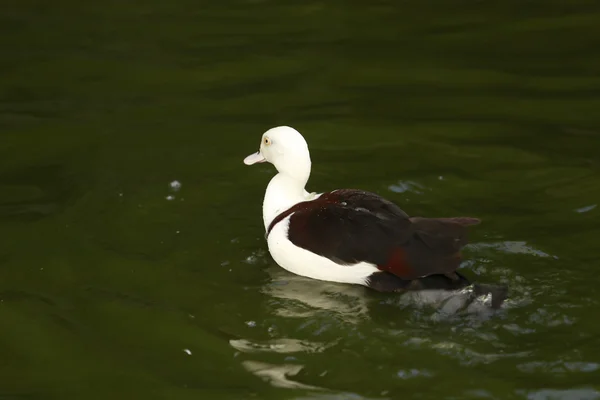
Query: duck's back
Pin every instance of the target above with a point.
(352, 226)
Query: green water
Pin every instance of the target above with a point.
(115, 285)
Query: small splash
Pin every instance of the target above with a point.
(251, 324)
(413, 373)
(257, 257)
(277, 375)
(282, 346)
(514, 247)
(407, 186)
(585, 209)
(466, 356)
(558, 367)
(175, 186)
(170, 198)
(585, 393)
(518, 330)
(549, 319)
(187, 351)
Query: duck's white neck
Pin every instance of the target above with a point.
(283, 192)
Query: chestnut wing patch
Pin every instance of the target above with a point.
(350, 226)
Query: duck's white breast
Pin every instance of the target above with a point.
(305, 263)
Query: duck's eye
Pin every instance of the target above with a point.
(267, 141)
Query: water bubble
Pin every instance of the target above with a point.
(175, 185)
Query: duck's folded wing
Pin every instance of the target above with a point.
(352, 231)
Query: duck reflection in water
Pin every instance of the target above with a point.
(303, 297)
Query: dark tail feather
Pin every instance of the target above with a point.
(436, 243)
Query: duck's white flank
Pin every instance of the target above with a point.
(303, 262)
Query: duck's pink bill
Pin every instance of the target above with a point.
(254, 158)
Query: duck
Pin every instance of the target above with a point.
(354, 236)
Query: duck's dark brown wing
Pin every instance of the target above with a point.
(350, 226)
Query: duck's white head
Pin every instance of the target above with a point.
(286, 149)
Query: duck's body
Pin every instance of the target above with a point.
(352, 236)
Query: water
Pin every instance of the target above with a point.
(114, 281)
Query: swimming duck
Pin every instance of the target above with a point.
(353, 236)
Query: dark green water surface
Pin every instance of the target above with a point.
(113, 284)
